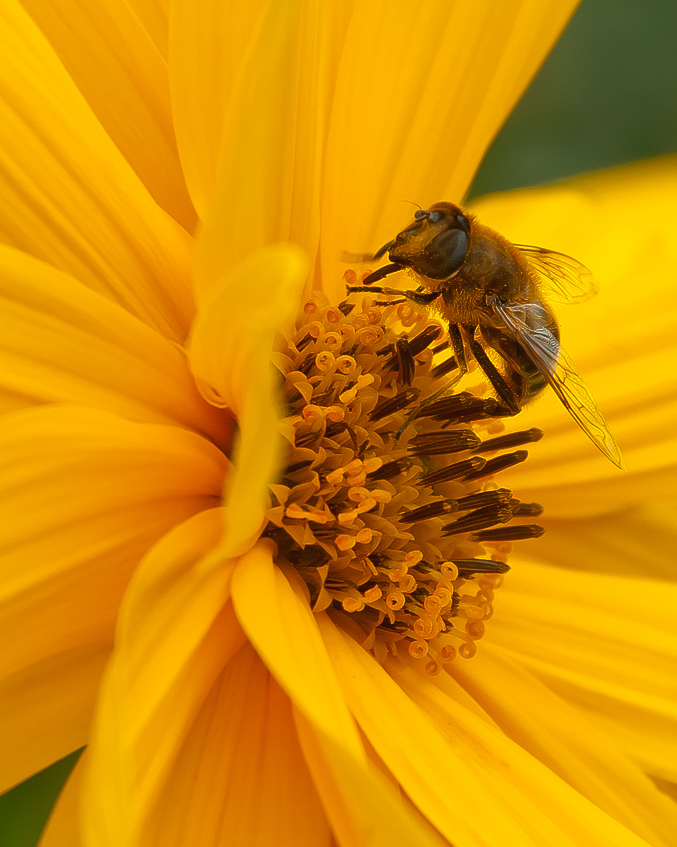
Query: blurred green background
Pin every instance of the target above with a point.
(607, 95)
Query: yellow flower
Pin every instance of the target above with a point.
(140, 611)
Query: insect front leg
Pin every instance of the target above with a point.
(423, 298)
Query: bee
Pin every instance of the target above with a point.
(491, 293)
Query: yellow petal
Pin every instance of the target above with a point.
(63, 826)
(265, 184)
(154, 15)
(421, 91)
(240, 777)
(639, 541)
(47, 710)
(229, 349)
(559, 736)
(174, 635)
(623, 342)
(362, 807)
(63, 342)
(606, 644)
(453, 775)
(113, 61)
(208, 47)
(85, 494)
(74, 200)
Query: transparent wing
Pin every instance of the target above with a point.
(527, 324)
(565, 279)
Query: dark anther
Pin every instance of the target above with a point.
(470, 566)
(511, 439)
(297, 466)
(307, 438)
(335, 428)
(479, 519)
(390, 405)
(443, 346)
(303, 341)
(441, 443)
(455, 471)
(424, 339)
(499, 497)
(387, 350)
(346, 307)
(444, 367)
(499, 463)
(509, 533)
(532, 510)
(307, 364)
(431, 510)
(404, 361)
(390, 470)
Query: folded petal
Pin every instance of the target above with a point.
(175, 633)
(606, 644)
(63, 342)
(623, 342)
(421, 91)
(117, 67)
(456, 770)
(75, 202)
(85, 494)
(362, 807)
(229, 349)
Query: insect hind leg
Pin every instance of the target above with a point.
(497, 380)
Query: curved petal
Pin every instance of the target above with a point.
(85, 494)
(240, 777)
(75, 202)
(47, 710)
(454, 774)
(117, 67)
(362, 807)
(606, 644)
(559, 735)
(624, 341)
(175, 633)
(263, 181)
(421, 91)
(229, 350)
(62, 342)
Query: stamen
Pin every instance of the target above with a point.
(511, 439)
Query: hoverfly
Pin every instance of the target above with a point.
(490, 293)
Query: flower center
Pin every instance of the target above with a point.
(387, 506)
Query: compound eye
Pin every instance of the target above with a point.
(463, 222)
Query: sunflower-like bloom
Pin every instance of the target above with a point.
(170, 184)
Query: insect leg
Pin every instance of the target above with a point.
(420, 297)
(381, 273)
(459, 353)
(499, 384)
